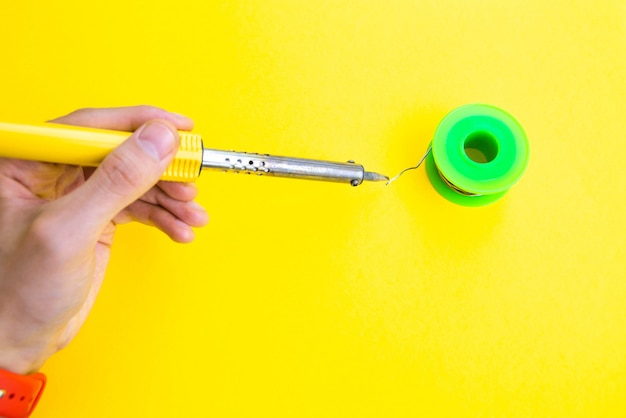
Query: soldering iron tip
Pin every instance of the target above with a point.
(370, 176)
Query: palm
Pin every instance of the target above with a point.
(28, 187)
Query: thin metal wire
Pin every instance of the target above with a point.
(454, 187)
(411, 168)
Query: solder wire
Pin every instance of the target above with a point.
(411, 168)
(451, 185)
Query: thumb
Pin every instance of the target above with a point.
(124, 176)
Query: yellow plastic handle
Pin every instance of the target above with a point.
(75, 145)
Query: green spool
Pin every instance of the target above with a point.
(478, 152)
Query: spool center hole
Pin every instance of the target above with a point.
(481, 147)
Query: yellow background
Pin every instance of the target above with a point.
(305, 299)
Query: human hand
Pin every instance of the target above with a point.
(57, 224)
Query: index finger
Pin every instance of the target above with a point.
(123, 118)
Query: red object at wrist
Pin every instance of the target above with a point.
(19, 393)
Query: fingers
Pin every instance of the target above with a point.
(180, 191)
(183, 208)
(177, 222)
(123, 118)
(123, 177)
(155, 200)
(177, 201)
(127, 175)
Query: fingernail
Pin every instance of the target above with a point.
(157, 139)
(196, 206)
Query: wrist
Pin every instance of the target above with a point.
(21, 351)
(22, 358)
(18, 362)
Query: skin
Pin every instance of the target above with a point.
(57, 224)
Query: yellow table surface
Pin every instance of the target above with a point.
(307, 299)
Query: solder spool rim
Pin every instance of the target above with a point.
(482, 182)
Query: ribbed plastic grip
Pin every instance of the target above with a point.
(187, 164)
